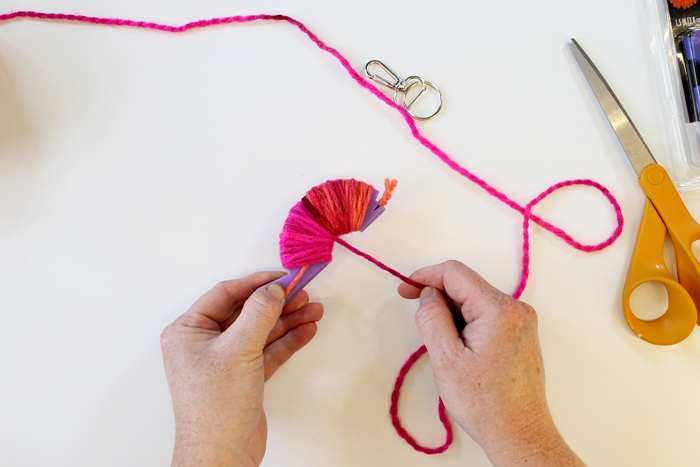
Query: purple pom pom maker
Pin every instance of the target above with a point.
(374, 210)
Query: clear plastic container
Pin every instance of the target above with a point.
(674, 27)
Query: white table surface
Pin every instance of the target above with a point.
(138, 168)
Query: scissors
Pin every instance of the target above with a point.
(664, 211)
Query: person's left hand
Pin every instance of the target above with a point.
(217, 357)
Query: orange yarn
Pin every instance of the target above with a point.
(293, 284)
(389, 186)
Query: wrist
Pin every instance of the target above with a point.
(538, 444)
(195, 446)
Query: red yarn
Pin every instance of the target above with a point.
(296, 250)
(394, 410)
(380, 264)
(339, 205)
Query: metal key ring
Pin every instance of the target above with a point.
(416, 80)
(402, 87)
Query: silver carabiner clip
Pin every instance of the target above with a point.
(403, 87)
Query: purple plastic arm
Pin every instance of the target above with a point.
(371, 215)
(310, 273)
(374, 210)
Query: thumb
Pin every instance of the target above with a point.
(259, 315)
(435, 322)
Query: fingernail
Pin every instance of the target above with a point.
(277, 291)
(427, 292)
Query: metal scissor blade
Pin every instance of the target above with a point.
(633, 144)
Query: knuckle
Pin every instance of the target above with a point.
(263, 303)
(520, 316)
(225, 284)
(518, 321)
(427, 313)
(455, 266)
(242, 351)
(516, 316)
(225, 287)
(453, 263)
(165, 338)
(529, 312)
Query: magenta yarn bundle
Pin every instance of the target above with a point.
(311, 241)
(303, 240)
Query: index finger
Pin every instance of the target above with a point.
(461, 283)
(217, 305)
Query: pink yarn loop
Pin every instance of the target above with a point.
(527, 216)
(394, 410)
(526, 210)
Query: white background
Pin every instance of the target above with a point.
(138, 168)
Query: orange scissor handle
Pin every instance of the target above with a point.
(664, 206)
(648, 265)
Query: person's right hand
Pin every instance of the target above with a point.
(490, 376)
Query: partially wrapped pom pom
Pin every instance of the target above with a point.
(329, 210)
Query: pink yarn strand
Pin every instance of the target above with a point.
(527, 214)
(525, 211)
(380, 264)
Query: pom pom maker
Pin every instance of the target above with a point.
(374, 210)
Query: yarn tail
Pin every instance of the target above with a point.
(296, 280)
(380, 264)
